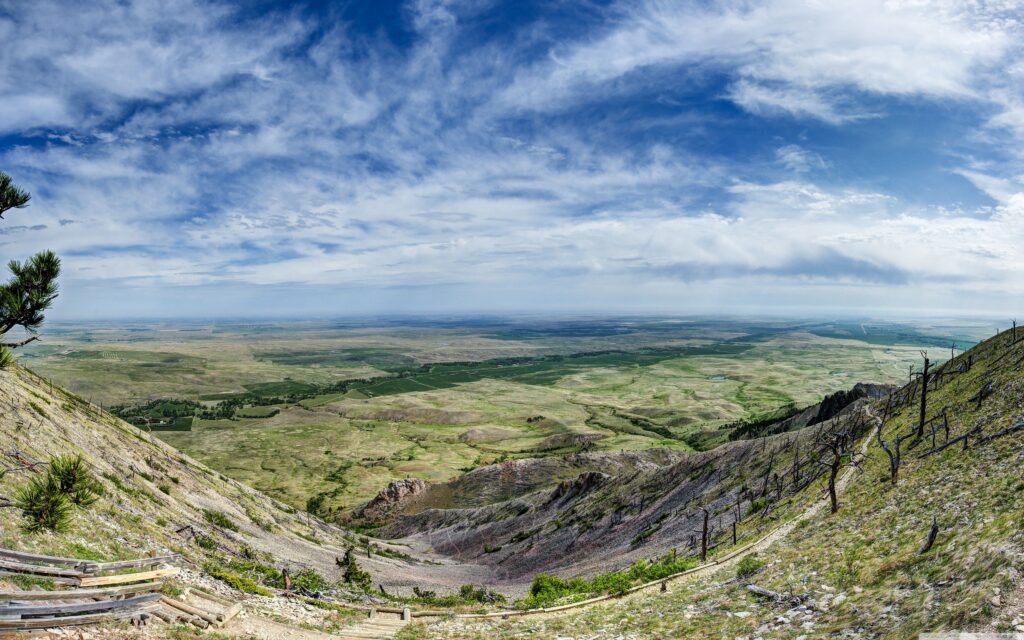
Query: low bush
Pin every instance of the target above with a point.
(75, 480)
(748, 566)
(44, 505)
(547, 590)
(468, 594)
(219, 519)
(48, 501)
(245, 585)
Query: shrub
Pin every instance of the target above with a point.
(206, 542)
(44, 504)
(310, 580)
(6, 358)
(353, 573)
(166, 488)
(547, 590)
(315, 504)
(219, 519)
(748, 566)
(239, 583)
(468, 595)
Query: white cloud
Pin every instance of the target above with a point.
(787, 54)
(799, 160)
(192, 150)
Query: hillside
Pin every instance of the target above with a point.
(856, 572)
(157, 500)
(861, 572)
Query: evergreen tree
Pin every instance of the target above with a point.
(33, 284)
(353, 574)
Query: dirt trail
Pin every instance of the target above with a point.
(381, 627)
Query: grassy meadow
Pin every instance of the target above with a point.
(336, 410)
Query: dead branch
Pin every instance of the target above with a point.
(932, 534)
(955, 440)
(15, 345)
(1005, 432)
(985, 391)
(773, 595)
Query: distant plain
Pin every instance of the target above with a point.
(334, 410)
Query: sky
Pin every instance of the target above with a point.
(205, 158)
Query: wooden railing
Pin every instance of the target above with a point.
(99, 595)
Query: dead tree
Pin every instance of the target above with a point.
(984, 392)
(796, 463)
(932, 534)
(832, 444)
(704, 536)
(894, 455)
(734, 533)
(767, 474)
(924, 395)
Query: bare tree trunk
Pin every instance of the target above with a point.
(796, 463)
(832, 487)
(768, 473)
(924, 398)
(704, 537)
(932, 534)
(734, 533)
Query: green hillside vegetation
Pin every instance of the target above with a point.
(866, 570)
(605, 402)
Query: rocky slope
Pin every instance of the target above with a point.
(155, 499)
(590, 513)
(866, 571)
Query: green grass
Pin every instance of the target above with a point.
(869, 552)
(433, 401)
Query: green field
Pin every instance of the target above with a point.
(338, 410)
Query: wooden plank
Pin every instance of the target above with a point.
(59, 580)
(31, 557)
(101, 581)
(70, 621)
(64, 609)
(212, 597)
(38, 570)
(232, 611)
(80, 593)
(187, 608)
(135, 564)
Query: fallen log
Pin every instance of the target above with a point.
(187, 608)
(772, 595)
(1004, 432)
(117, 592)
(950, 443)
(71, 621)
(932, 534)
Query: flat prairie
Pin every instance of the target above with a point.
(334, 411)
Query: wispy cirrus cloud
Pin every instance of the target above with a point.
(648, 146)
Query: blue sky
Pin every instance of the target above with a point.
(193, 158)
